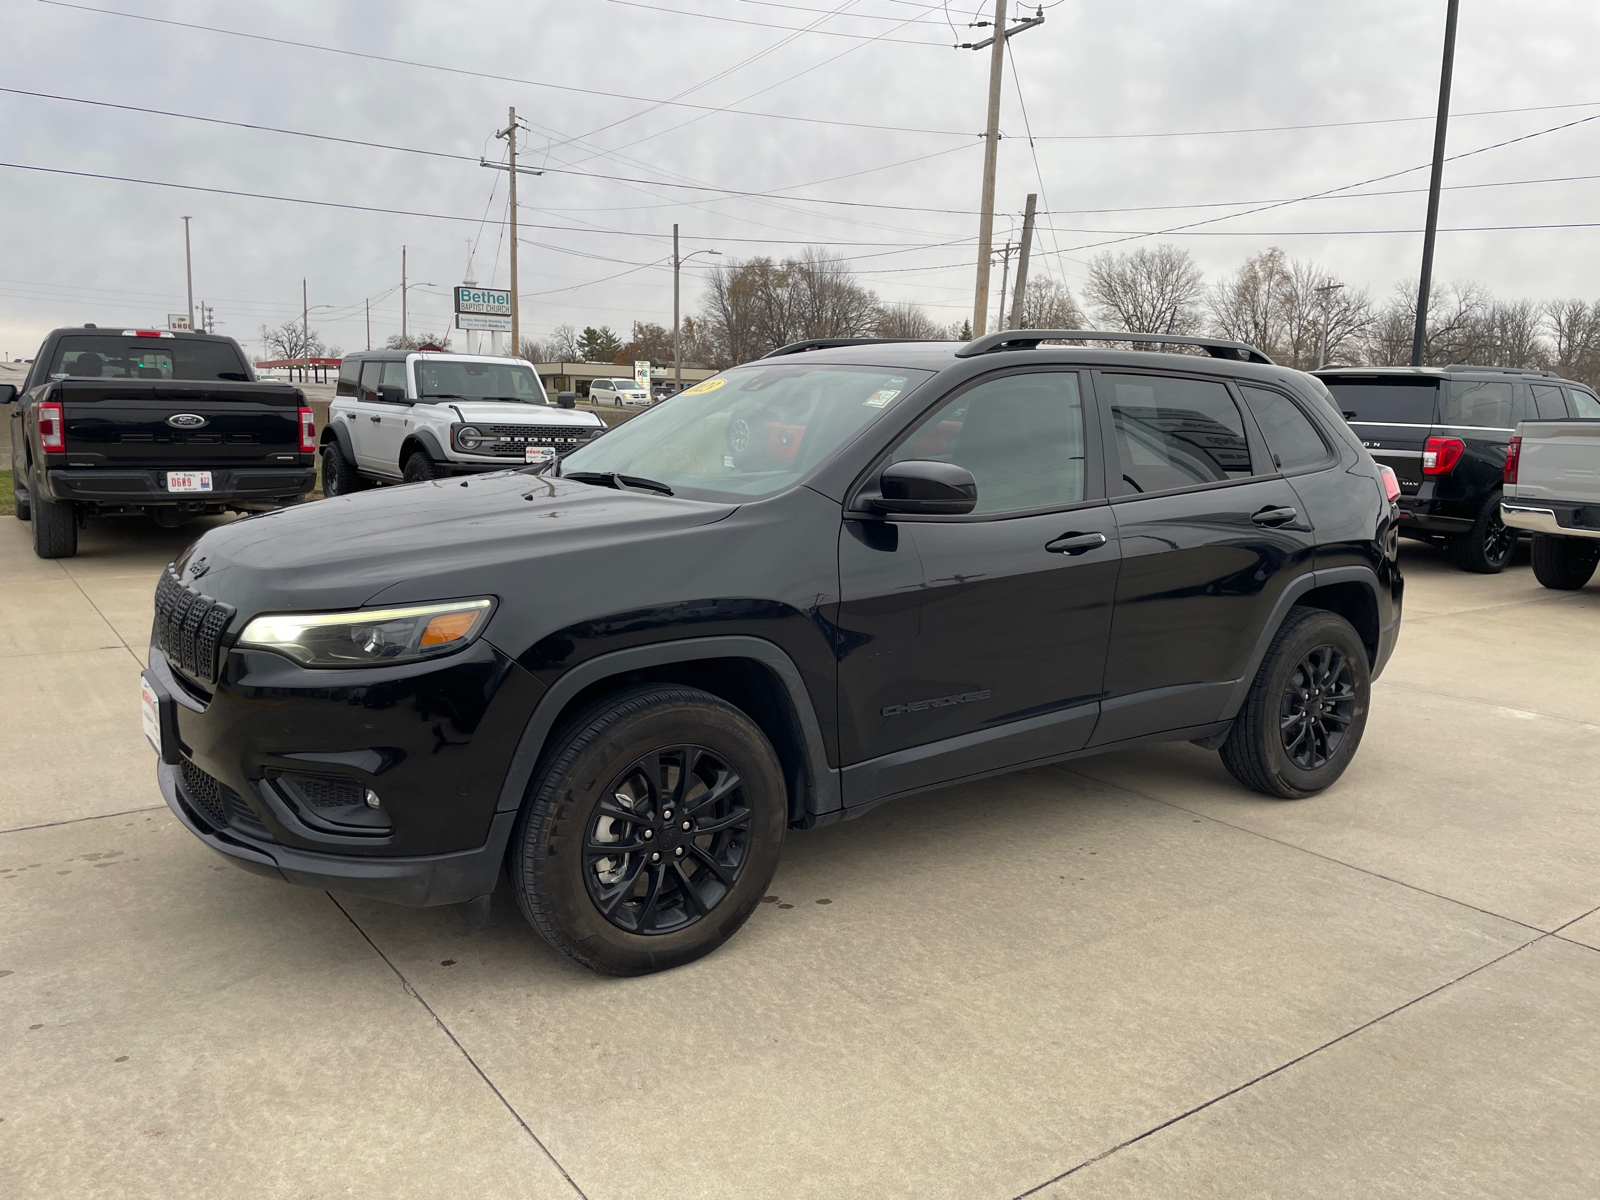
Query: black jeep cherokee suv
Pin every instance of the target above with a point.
(840, 574)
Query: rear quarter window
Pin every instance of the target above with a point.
(1385, 402)
(1291, 437)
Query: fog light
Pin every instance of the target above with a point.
(372, 798)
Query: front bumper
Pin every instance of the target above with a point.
(418, 881)
(146, 486)
(1560, 520)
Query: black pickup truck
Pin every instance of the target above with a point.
(115, 422)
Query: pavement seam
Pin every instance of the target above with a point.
(1427, 691)
(127, 812)
(1483, 608)
(1280, 1068)
(115, 632)
(428, 1008)
(1338, 862)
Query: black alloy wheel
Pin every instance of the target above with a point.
(601, 862)
(339, 476)
(670, 841)
(1302, 720)
(1317, 707)
(1487, 547)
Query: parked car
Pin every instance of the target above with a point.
(117, 422)
(1444, 432)
(1552, 490)
(628, 675)
(405, 417)
(621, 392)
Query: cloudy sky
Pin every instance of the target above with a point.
(760, 127)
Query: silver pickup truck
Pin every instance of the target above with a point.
(1552, 489)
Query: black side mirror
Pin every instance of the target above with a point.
(926, 487)
(392, 395)
(567, 399)
(8, 393)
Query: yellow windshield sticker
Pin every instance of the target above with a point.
(709, 385)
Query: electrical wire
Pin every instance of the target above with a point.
(681, 12)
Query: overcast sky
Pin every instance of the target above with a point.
(891, 122)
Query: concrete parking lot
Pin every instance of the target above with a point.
(1122, 977)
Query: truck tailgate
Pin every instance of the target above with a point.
(1560, 460)
(179, 423)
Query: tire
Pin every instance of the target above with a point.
(1313, 652)
(1487, 547)
(419, 468)
(599, 763)
(55, 529)
(339, 475)
(1564, 563)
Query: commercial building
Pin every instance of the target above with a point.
(577, 376)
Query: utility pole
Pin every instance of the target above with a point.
(1326, 292)
(991, 151)
(305, 329)
(677, 355)
(510, 134)
(1420, 338)
(368, 305)
(1020, 293)
(403, 295)
(188, 269)
(1005, 276)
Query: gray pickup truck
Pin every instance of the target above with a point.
(1552, 489)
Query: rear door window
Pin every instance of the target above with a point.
(1479, 404)
(370, 373)
(1291, 437)
(1385, 401)
(1174, 433)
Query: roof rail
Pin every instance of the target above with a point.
(834, 343)
(1029, 339)
(1503, 370)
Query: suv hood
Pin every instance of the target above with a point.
(426, 541)
(500, 413)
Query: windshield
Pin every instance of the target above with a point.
(448, 380)
(751, 431)
(103, 357)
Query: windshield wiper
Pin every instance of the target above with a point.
(623, 483)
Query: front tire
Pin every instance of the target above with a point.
(1487, 547)
(419, 468)
(55, 529)
(1303, 718)
(1564, 563)
(600, 862)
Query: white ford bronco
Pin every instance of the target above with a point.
(400, 416)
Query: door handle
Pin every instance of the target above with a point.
(1274, 516)
(379, 421)
(1076, 543)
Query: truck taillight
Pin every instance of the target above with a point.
(1440, 455)
(52, 428)
(308, 432)
(1513, 459)
(1391, 483)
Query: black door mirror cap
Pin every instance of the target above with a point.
(925, 487)
(8, 393)
(567, 399)
(389, 394)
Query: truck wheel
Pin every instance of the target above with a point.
(339, 475)
(55, 529)
(1487, 547)
(651, 830)
(1564, 563)
(1306, 710)
(419, 468)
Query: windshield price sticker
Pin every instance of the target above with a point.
(709, 385)
(537, 454)
(188, 481)
(879, 399)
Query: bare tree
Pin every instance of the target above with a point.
(826, 301)
(415, 341)
(1574, 327)
(1048, 304)
(905, 321)
(1152, 290)
(533, 350)
(648, 342)
(1284, 307)
(751, 307)
(1456, 317)
(563, 345)
(1511, 334)
(290, 340)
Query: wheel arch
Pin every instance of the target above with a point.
(1348, 592)
(333, 432)
(754, 675)
(421, 439)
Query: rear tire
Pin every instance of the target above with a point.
(419, 468)
(1487, 547)
(611, 776)
(55, 529)
(1303, 718)
(1564, 563)
(339, 475)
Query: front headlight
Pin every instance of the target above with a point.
(375, 637)
(469, 437)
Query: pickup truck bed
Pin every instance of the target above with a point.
(1552, 490)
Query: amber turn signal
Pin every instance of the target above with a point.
(449, 627)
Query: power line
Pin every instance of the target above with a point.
(681, 12)
(852, 16)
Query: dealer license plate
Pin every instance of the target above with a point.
(188, 481)
(537, 454)
(150, 711)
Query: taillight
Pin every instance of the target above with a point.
(1440, 455)
(1391, 483)
(1513, 459)
(52, 428)
(308, 432)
